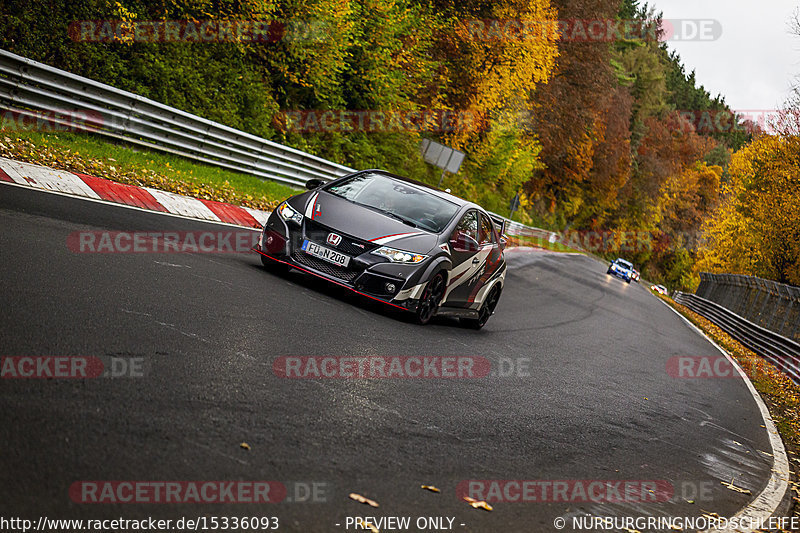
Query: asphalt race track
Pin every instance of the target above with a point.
(589, 397)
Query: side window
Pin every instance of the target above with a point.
(468, 225)
(486, 233)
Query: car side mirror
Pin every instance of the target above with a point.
(314, 183)
(503, 243)
(461, 242)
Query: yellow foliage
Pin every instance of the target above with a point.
(756, 229)
(504, 71)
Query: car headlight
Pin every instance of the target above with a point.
(287, 212)
(399, 256)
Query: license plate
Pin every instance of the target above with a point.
(326, 254)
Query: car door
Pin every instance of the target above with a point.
(467, 256)
(490, 256)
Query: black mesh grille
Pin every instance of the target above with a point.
(349, 245)
(323, 266)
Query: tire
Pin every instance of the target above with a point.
(608, 272)
(431, 298)
(486, 310)
(628, 280)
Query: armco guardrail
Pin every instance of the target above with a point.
(29, 88)
(780, 351)
(533, 235)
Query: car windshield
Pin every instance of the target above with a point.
(623, 263)
(413, 205)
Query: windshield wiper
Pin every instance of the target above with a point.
(401, 218)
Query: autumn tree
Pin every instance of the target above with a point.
(756, 229)
(568, 116)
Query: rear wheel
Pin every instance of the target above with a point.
(486, 310)
(431, 297)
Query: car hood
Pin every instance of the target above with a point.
(362, 222)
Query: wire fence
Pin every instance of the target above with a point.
(771, 305)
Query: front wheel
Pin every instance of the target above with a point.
(486, 310)
(431, 298)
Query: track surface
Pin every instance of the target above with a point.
(598, 403)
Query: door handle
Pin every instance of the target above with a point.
(475, 261)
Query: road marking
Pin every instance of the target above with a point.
(260, 216)
(62, 182)
(766, 503)
(46, 178)
(125, 206)
(183, 205)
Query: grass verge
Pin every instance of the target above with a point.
(89, 154)
(780, 393)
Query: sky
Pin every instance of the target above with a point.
(755, 60)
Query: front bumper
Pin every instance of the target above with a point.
(620, 274)
(398, 285)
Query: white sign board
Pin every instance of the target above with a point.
(442, 156)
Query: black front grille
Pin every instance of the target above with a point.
(323, 266)
(349, 245)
